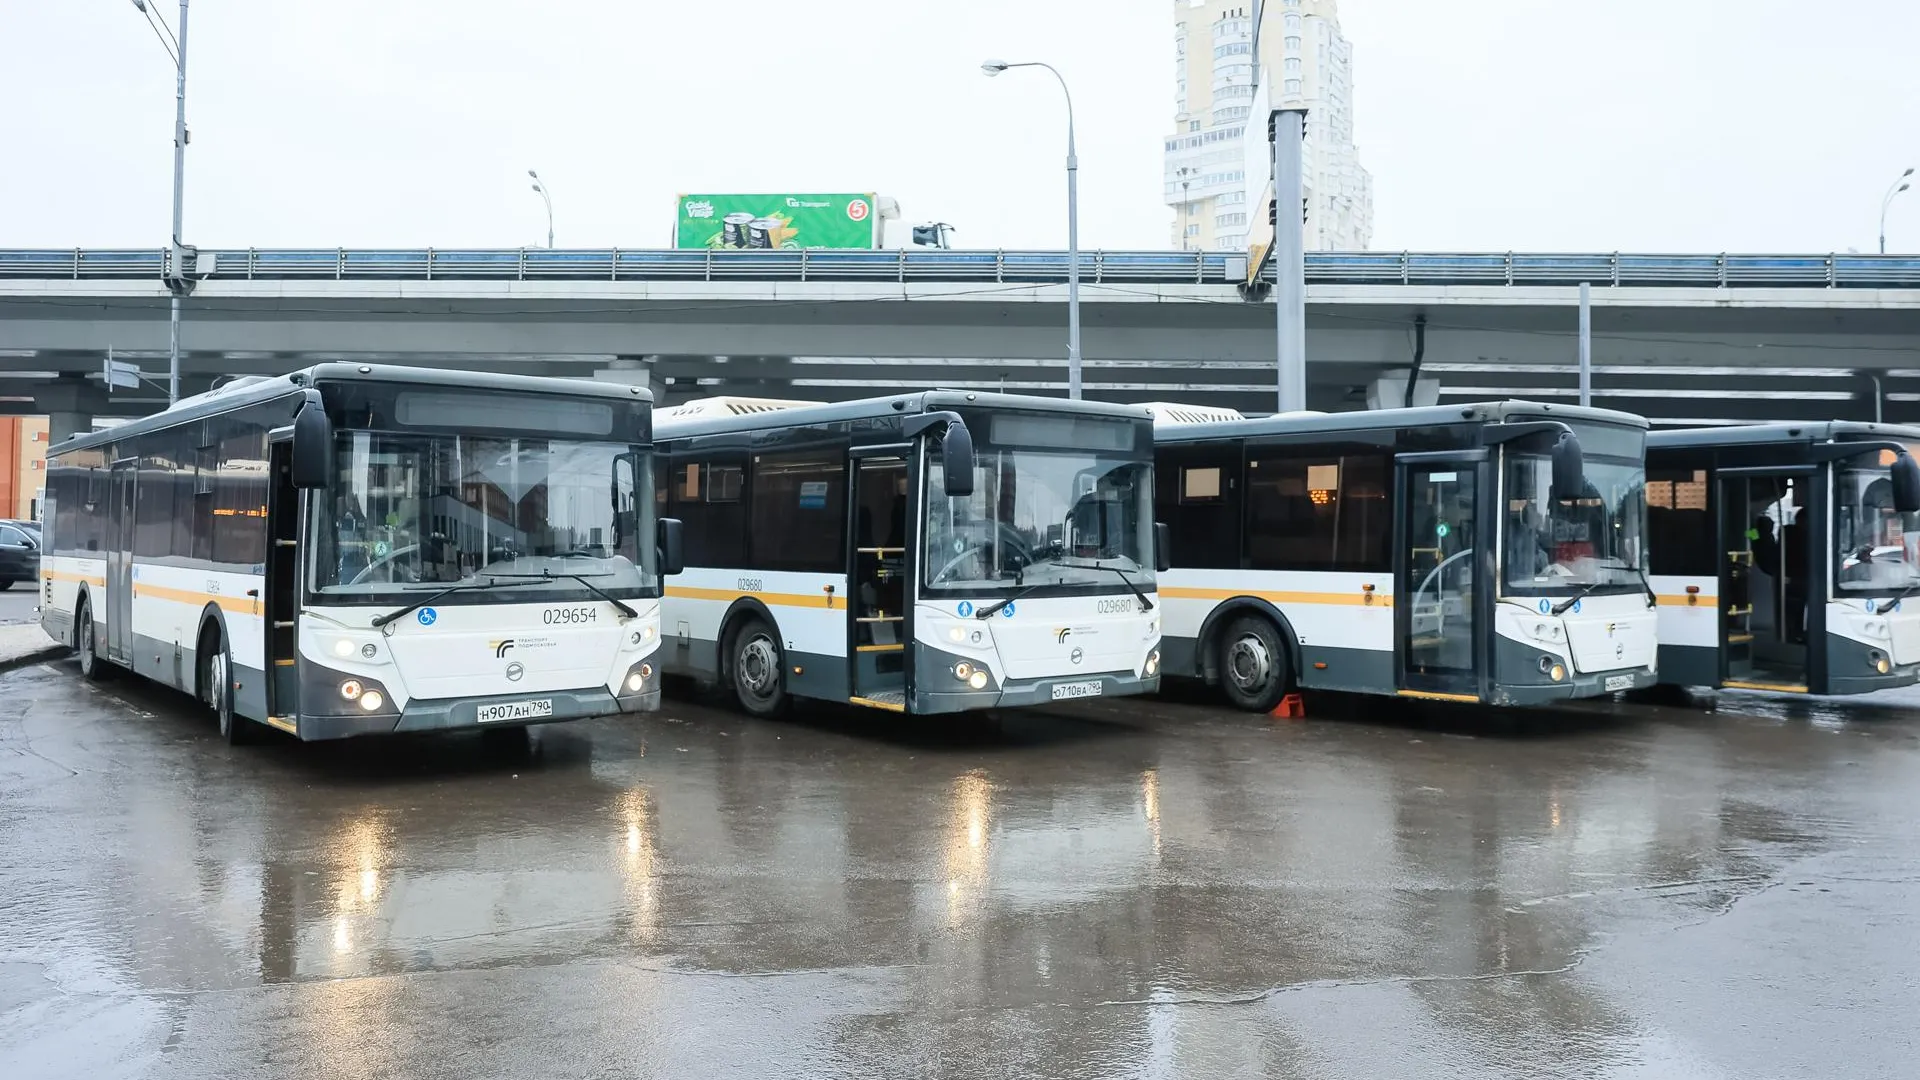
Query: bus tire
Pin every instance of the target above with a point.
(86, 642)
(216, 687)
(1254, 671)
(755, 665)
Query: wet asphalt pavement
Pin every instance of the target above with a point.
(1129, 888)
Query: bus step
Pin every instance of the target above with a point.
(1291, 707)
(286, 543)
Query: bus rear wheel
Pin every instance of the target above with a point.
(756, 669)
(86, 642)
(1253, 665)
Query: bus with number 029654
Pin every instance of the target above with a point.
(1484, 553)
(355, 549)
(929, 552)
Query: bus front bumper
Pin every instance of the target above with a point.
(443, 714)
(1024, 692)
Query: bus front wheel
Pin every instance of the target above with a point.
(1253, 665)
(216, 688)
(756, 669)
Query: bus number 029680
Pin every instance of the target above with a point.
(554, 615)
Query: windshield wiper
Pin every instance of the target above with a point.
(1145, 604)
(1653, 598)
(382, 620)
(993, 609)
(1904, 593)
(1561, 607)
(548, 575)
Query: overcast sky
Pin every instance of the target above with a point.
(1652, 125)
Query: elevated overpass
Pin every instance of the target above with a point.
(1680, 337)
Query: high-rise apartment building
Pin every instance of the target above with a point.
(1305, 62)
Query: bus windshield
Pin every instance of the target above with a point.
(412, 511)
(1057, 501)
(1874, 545)
(1556, 543)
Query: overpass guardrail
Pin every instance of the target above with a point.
(1832, 271)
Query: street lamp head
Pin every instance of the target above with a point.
(994, 67)
(540, 189)
(1904, 185)
(1909, 171)
(140, 4)
(533, 174)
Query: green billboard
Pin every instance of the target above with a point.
(770, 222)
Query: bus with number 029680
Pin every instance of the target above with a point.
(927, 552)
(355, 549)
(1483, 553)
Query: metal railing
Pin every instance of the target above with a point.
(1000, 267)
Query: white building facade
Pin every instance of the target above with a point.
(1305, 62)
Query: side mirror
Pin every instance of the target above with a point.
(1162, 547)
(673, 557)
(956, 455)
(1569, 467)
(312, 446)
(1905, 474)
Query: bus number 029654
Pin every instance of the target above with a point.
(555, 615)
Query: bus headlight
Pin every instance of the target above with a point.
(1153, 662)
(642, 635)
(350, 689)
(978, 681)
(1553, 669)
(1879, 661)
(342, 647)
(637, 678)
(372, 700)
(962, 671)
(956, 633)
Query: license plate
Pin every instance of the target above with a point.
(1066, 690)
(1619, 682)
(515, 710)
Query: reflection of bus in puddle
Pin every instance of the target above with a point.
(372, 906)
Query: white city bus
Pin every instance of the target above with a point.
(1488, 553)
(1785, 555)
(927, 552)
(352, 549)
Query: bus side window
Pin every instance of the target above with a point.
(1198, 496)
(1680, 533)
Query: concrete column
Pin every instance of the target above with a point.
(60, 425)
(1389, 389)
(628, 370)
(70, 403)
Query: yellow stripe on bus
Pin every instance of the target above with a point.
(66, 575)
(1780, 688)
(872, 704)
(245, 605)
(1350, 599)
(1694, 600)
(687, 592)
(1434, 695)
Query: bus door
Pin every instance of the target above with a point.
(1435, 607)
(282, 601)
(120, 561)
(877, 608)
(1763, 577)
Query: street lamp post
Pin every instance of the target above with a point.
(541, 187)
(177, 284)
(1899, 186)
(995, 67)
(1186, 203)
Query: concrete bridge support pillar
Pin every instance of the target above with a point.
(71, 403)
(630, 370)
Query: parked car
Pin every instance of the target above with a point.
(19, 552)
